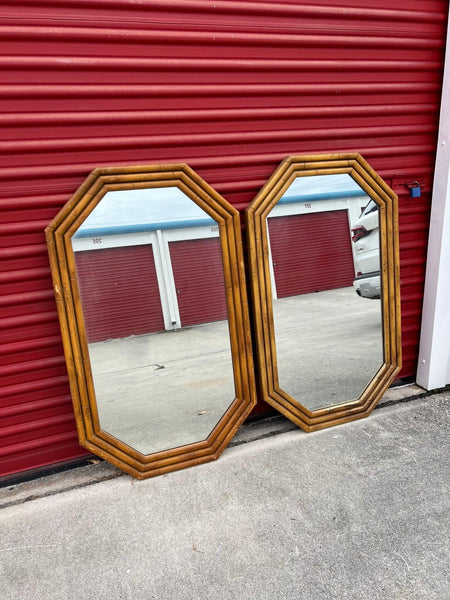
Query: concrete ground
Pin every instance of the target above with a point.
(359, 511)
(164, 390)
(329, 345)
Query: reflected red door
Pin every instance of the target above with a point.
(311, 252)
(198, 273)
(119, 292)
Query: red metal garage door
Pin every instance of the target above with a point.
(119, 292)
(311, 252)
(198, 273)
(231, 88)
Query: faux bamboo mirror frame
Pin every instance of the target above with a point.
(301, 371)
(134, 387)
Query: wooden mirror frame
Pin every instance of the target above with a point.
(266, 357)
(62, 261)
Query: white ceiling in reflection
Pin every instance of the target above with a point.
(124, 208)
(322, 184)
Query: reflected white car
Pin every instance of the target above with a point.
(365, 236)
(367, 286)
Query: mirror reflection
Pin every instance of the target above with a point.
(325, 273)
(150, 275)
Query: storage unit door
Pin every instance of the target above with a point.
(311, 252)
(198, 273)
(119, 292)
(231, 88)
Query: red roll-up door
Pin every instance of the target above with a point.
(119, 292)
(198, 273)
(231, 88)
(311, 252)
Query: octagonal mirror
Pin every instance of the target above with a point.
(323, 247)
(149, 279)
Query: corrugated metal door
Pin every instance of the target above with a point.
(311, 252)
(198, 274)
(119, 292)
(230, 88)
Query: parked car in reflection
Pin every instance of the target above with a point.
(365, 236)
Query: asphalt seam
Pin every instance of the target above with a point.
(59, 491)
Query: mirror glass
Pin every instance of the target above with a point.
(150, 276)
(324, 266)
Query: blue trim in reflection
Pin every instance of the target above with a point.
(143, 227)
(323, 196)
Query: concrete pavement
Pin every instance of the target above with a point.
(359, 511)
